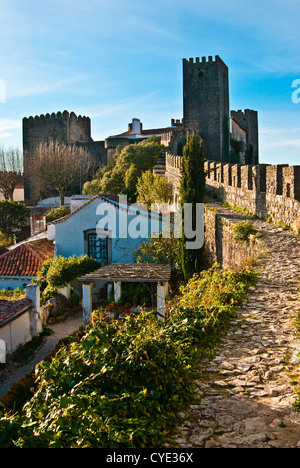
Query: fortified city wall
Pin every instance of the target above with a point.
(264, 190)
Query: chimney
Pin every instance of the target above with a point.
(136, 126)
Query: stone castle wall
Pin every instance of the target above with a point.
(220, 243)
(64, 128)
(61, 127)
(264, 190)
(206, 103)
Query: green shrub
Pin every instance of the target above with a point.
(59, 272)
(243, 230)
(11, 295)
(124, 383)
(57, 213)
(135, 293)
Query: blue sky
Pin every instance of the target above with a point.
(113, 61)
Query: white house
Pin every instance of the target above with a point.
(20, 320)
(106, 228)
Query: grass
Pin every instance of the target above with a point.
(243, 231)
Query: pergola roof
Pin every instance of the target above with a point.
(131, 273)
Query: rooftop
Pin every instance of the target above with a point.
(26, 259)
(131, 273)
(112, 199)
(9, 309)
(3, 250)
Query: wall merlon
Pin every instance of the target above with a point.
(209, 59)
(57, 116)
(264, 190)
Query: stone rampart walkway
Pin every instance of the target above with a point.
(244, 396)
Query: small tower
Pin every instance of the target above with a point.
(63, 128)
(206, 104)
(248, 120)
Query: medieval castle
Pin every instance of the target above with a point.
(206, 110)
(230, 140)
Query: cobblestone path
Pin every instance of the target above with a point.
(244, 397)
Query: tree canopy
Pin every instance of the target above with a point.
(61, 166)
(192, 191)
(120, 176)
(13, 216)
(11, 171)
(153, 188)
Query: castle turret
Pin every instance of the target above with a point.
(63, 128)
(206, 104)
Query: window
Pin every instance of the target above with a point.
(97, 247)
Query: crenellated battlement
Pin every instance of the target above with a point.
(62, 127)
(56, 117)
(208, 59)
(173, 162)
(264, 190)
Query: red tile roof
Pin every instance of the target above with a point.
(26, 259)
(10, 308)
(3, 250)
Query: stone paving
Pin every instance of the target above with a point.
(244, 396)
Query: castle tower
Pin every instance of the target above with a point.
(206, 104)
(61, 127)
(248, 120)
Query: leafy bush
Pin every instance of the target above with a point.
(59, 272)
(124, 384)
(135, 293)
(153, 188)
(13, 216)
(11, 295)
(57, 213)
(121, 175)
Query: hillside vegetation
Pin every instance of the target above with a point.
(124, 383)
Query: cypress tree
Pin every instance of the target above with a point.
(192, 190)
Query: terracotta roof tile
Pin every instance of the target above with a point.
(26, 259)
(10, 308)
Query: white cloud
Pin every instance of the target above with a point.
(280, 145)
(8, 128)
(20, 89)
(7, 124)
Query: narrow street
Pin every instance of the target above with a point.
(60, 330)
